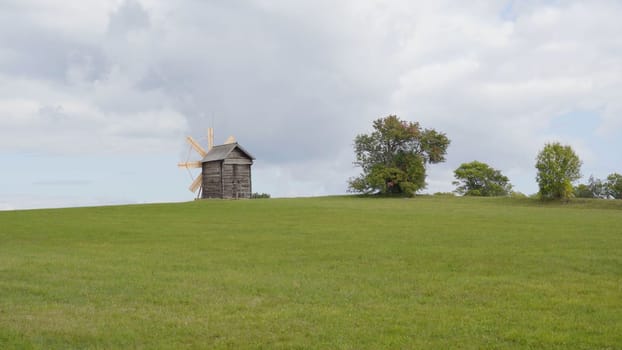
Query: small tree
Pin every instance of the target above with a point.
(595, 188)
(394, 156)
(479, 179)
(558, 167)
(613, 185)
(583, 191)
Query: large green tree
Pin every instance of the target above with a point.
(558, 167)
(614, 185)
(479, 179)
(394, 156)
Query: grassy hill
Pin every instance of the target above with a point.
(318, 273)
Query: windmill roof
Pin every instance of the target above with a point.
(221, 152)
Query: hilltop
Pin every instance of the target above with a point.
(330, 272)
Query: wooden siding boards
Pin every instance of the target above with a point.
(212, 180)
(236, 154)
(227, 183)
(226, 172)
(238, 161)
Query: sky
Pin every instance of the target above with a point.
(96, 97)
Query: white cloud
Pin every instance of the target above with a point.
(39, 117)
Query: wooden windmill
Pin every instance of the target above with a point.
(225, 169)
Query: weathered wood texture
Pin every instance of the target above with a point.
(228, 178)
(212, 184)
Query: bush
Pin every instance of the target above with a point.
(479, 179)
(259, 195)
(444, 194)
(518, 195)
(583, 191)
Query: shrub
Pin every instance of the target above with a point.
(517, 195)
(444, 194)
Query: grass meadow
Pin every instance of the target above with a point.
(314, 273)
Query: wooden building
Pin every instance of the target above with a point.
(226, 172)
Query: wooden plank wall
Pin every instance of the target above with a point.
(237, 154)
(243, 179)
(212, 185)
(227, 183)
(236, 181)
(242, 174)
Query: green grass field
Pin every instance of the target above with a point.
(314, 273)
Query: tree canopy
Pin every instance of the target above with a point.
(583, 191)
(479, 179)
(394, 156)
(595, 188)
(558, 167)
(614, 185)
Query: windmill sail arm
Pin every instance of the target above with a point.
(230, 140)
(195, 184)
(196, 146)
(189, 165)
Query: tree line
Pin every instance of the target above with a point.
(395, 156)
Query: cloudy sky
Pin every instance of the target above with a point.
(96, 96)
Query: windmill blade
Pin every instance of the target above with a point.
(189, 165)
(230, 140)
(195, 184)
(196, 146)
(210, 138)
